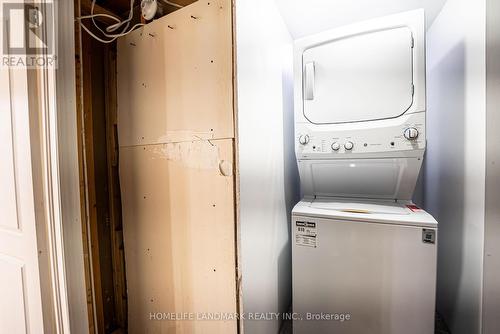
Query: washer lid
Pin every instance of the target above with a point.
(356, 210)
(362, 77)
(361, 208)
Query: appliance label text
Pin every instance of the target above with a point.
(306, 234)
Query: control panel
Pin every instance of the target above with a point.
(407, 135)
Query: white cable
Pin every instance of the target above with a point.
(95, 15)
(115, 36)
(172, 4)
(116, 25)
(112, 27)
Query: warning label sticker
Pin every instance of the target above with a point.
(306, 234)
(413, 208)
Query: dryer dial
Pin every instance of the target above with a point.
(304, 139)
(335, 146)
(348, 145)
(411, 133)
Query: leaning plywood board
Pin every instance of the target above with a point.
(178, 219)
(175, 77)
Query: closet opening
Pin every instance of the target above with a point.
(98, 150)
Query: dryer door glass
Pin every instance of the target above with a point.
(359, 78)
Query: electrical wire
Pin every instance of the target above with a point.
(112, 28)
(109, 30)
(115, 26)
(172, 4)
(115, 36)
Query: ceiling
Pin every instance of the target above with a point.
(305, 17)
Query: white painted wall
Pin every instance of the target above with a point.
(455, 161)
(268, 179)
(454, 185)
(312, 16)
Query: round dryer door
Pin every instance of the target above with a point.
(361, 77)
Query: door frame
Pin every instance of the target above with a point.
(52, 95)
(491, 271)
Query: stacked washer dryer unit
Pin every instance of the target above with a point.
(364, 256)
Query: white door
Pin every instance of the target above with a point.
(359, 77)
(20, 297)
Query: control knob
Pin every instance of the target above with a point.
(411, 133)
(304, 139)
(335, 146)
(348, 145)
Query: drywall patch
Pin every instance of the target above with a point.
(194, 154)
(184, 136)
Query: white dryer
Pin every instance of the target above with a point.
(360, 246)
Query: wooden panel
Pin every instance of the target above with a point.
(104, 233)
(98, 151)
(178, 218)
(82, 170)
(175, 77)
(92, 109)
(175, 123)
(115, 210)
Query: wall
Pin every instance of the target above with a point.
(491, 307)
(268, 179)
(455, 161)
(313, 16)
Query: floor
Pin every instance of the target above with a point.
(441, 328)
